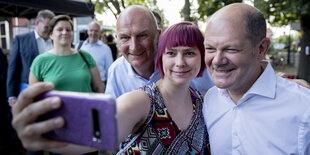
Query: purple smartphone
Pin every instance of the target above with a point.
(90, 119)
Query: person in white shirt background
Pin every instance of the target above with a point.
(250, 110)
(98, 50)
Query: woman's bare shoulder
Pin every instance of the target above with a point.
(136, 100)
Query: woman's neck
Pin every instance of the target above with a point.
(178, 102)
(177, 93)
(62, 50)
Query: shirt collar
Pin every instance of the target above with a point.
(131, 71)
(37, 36)
(265, 85)
(99, 42)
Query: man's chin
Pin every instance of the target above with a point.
(136, 63)
(223, 84)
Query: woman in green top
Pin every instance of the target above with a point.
(63, 65)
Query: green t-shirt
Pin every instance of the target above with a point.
(68, 73)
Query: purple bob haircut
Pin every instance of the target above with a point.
(180, 34)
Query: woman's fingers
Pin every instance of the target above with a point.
(30, 113)
(26, 113)
(27, 96)
(31, 135)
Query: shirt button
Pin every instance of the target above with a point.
(236, 134)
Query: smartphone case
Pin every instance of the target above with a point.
(90, 119)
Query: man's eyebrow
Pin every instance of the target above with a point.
(143, 31)
(207, 44)
(122, 34)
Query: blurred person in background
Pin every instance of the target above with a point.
(98, 50)
(67, 68)
(6, 133)
(24, 49)
(112, 45)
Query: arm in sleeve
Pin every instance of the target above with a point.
(108, 61)
(112, 84)
(14, 69)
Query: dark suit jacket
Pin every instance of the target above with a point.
(3, 74)
(24, 50)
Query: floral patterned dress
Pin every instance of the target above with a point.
(160, 134)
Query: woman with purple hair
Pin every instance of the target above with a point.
(166, 116)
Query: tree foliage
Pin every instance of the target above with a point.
(116, 6)
(283, 12)
(277, 12)
(208, 7)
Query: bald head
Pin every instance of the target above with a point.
(136, 13)
(244, 16)
(92, 23)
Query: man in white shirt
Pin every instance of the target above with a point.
(98, 50)
(24, 49)
(251, 110)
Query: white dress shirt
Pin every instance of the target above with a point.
(102, 55)
(122, 78)
(272, 118)
(43, 45)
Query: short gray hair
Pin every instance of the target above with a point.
(255, 26)
(45, 14)
(95, 22)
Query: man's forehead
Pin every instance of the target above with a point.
(223, 25)
(94, 28)
(135, 16)
(135, 26)
(93, 25)
(133, 31)
(137, 20)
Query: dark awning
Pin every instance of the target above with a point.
(30, 8)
